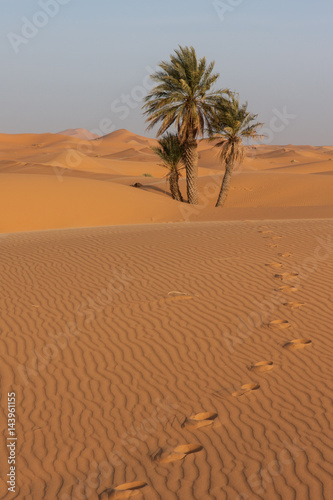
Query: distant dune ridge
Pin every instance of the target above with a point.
(81, 179)
(79, 133)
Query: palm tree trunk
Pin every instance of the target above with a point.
(225, 185)
(179, 194)
(191, 162)
(174, 186)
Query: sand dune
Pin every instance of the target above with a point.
(33, 202)
(125, 139)
(311, 167)
(144, 362)
(80, 133)
(186, 361)
(101, 196)
(271, 189)
(274, 181)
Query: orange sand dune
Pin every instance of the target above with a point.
(179, 361)
(263, 189)
(36, 140)
(270, 189)
(186, 361)
(81, 198)
(80, 133)
(124, 139)
(271, 178)
(132, 153)
(33, 202)
(125, 136)
(311, 167)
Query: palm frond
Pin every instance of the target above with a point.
(183, 95)
(232, 124)
(171, 152)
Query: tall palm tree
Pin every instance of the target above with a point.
(171, 152)
(183, 98)
(233, 124)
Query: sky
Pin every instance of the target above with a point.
(86, 63)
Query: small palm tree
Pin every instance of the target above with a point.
(183, 98)
(171, 152)
(234, 123)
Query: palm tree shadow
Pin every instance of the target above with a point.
(150, 187)
(164, 191)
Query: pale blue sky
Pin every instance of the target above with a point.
(76, 70)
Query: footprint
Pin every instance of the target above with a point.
(200, 420)
(180, 452)
(273, 237)
(245, 389)
(126, 490)
(287, 289)
(265, 232)
(274, 264)
(272, 245)
(285, 255)
(261, 367)
(280, 323)
(294, 305)
(286, 276)
(179, 297)
(297, 344)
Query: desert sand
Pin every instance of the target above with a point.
(77, 183)
(161, 351)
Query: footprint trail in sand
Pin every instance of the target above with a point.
(106, 369)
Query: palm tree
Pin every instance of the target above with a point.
(171, 152)
(183, 98)
(233, 124)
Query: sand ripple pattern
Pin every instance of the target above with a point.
(106, 369)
